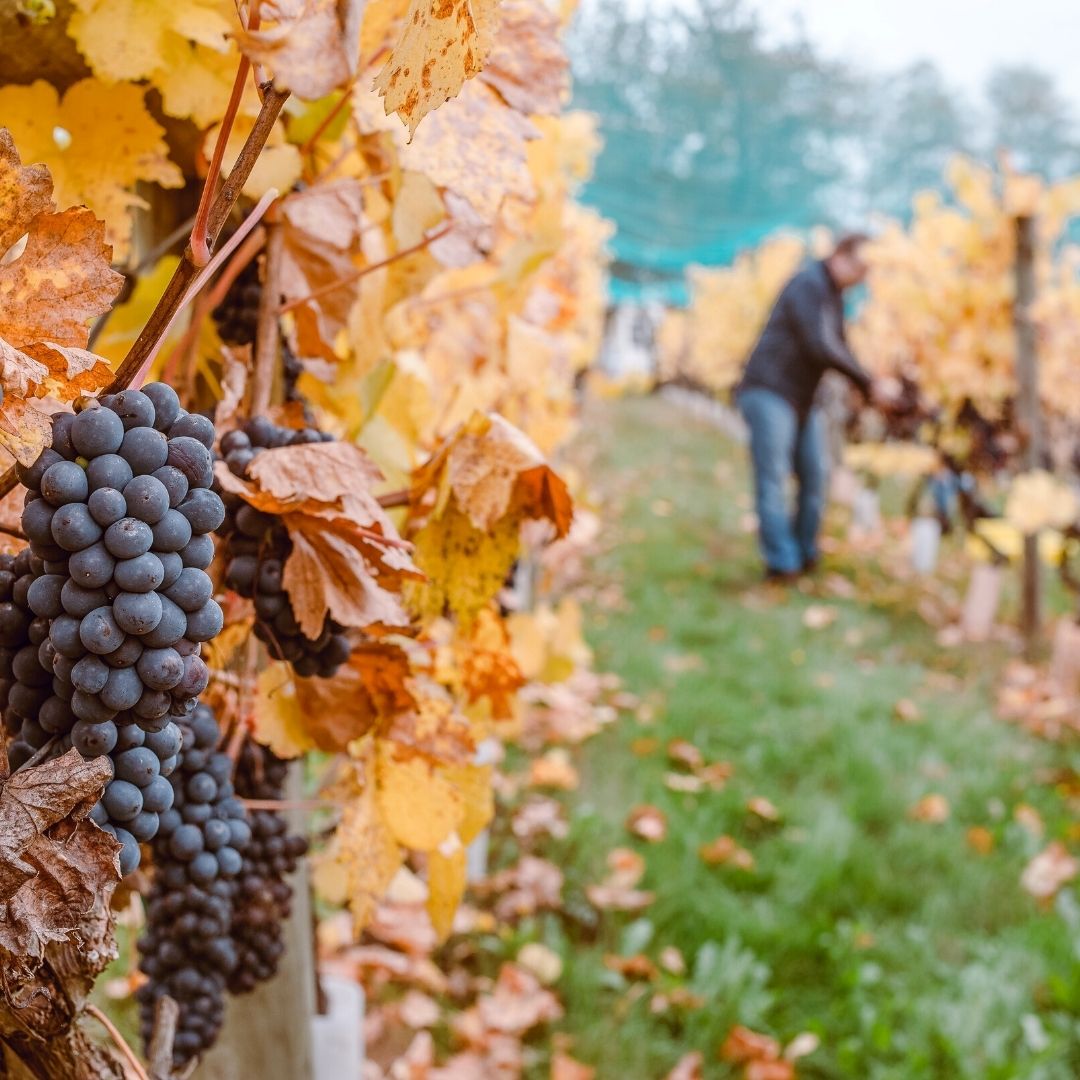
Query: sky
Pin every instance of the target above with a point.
(967, 38)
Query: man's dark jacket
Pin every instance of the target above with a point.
(802, 339)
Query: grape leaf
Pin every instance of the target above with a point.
(420, 805)
(310, 45)
(528, 65)
(444, 43)
(109, 143)
(446, 882)
(53, 864)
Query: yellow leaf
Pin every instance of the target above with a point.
(478, 799)
(421, 807)
(127, 319)
(279, 723)
(465, 566)
(446, 884)
(444, 42)
(109, 142)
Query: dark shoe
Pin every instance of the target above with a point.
(781, 577)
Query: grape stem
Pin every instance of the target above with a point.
(160, 1051)
(348, 279)
(121, 1043)
(176, 292)
(393, 499)
(39, 755)
(288, 804)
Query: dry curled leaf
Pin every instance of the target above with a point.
(54, 865)
(647, 822)
(443, 43)
(1050, 870)
(725, 851)
(309, 45)
(528, 65)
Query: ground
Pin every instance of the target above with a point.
(906, 945)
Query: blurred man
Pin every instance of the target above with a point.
(803, 339)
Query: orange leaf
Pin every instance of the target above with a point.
(743, 1045)
(648, 822)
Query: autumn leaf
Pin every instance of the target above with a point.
(446, 884)
(310, 45)
(420, 805)
(51, 285)
(54, 865)
(528, 65)
(647, 822)
(487, 665)
(476, 148)
(743, 1045)
(362, 856)
(109, 142)
(933, 809)
(1049, 871)
(347, 560)
(443, 43)
(322, 227)
(725, 851)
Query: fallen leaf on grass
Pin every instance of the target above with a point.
(639, 967)
(539, 817)
(932, 809)
(554, 770)
(802, 1046)
(764, 809)
(685, 753)
(417, 1010)
(680, 663)
(907, 712)
(1027, 817)
(683, 783)
(564, 1067)
(658, 633)
(644, 747)
(544, 963)
(647, 822)
(672, 961)
(743, 1045)
(980, 839)
(677, 998)
(819, 617)
(725, 851)
(689, 1067)
(1051, 869)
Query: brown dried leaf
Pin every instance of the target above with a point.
(743, 1045)
(647, 822)
(517, 1003)
(322, 228)
(52, 864)
(310, 45)
(62, 279)
(444, 42)
(528, 65)
(689, 1067)
(25, 192)
(476, 147)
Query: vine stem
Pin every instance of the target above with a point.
(176, 292)
(160, 1051)
(266, 331)
(394, 499)
(348, 279)
(199, 244)
(290, 804)
(121, 1043)
(39, 755)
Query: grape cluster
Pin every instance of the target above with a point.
(119, 512)
(26, 693)
(237, 316)
(264, 899)
(258, 545)
(186, 951)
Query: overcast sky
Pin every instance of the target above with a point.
(967, 38)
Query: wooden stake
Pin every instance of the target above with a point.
(1029, 414)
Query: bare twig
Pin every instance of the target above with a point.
(121, 1043)
(13, 530)
(187, 271)
(394, 498)
(348, 279)
(290, 804)
(160, 1051)
(267, 333)
(199, 244)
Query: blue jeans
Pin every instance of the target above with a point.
(779, 446)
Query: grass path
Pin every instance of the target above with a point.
(905, 950)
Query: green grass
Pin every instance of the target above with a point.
(908, 954)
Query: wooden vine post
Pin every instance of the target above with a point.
(1030, 418)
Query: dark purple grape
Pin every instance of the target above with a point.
(89, 674)
(99, 632)
(196, 426)
(93, 740)
(64, 482)
(139, 766)
(161, 669)
(108, 471)
(193, 459)
(191, 590)
(145, 450)
(74, 528)
(172, 532)
(204, 510)
(66, 635)
(92, 568)
(158, 795)
(30, 475)
(166, 404)
(43, 595)
(171, 627)
(106, 506)
(175, 483)
(137, 613)
(122, 690)
(142, 574)
(134, 408)
(173, 566)
(97, 431)
(206, 623)
(78, 601)
(127, 655)
(129, 537)
(37, 521)
(144, 826)
(147, 499)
